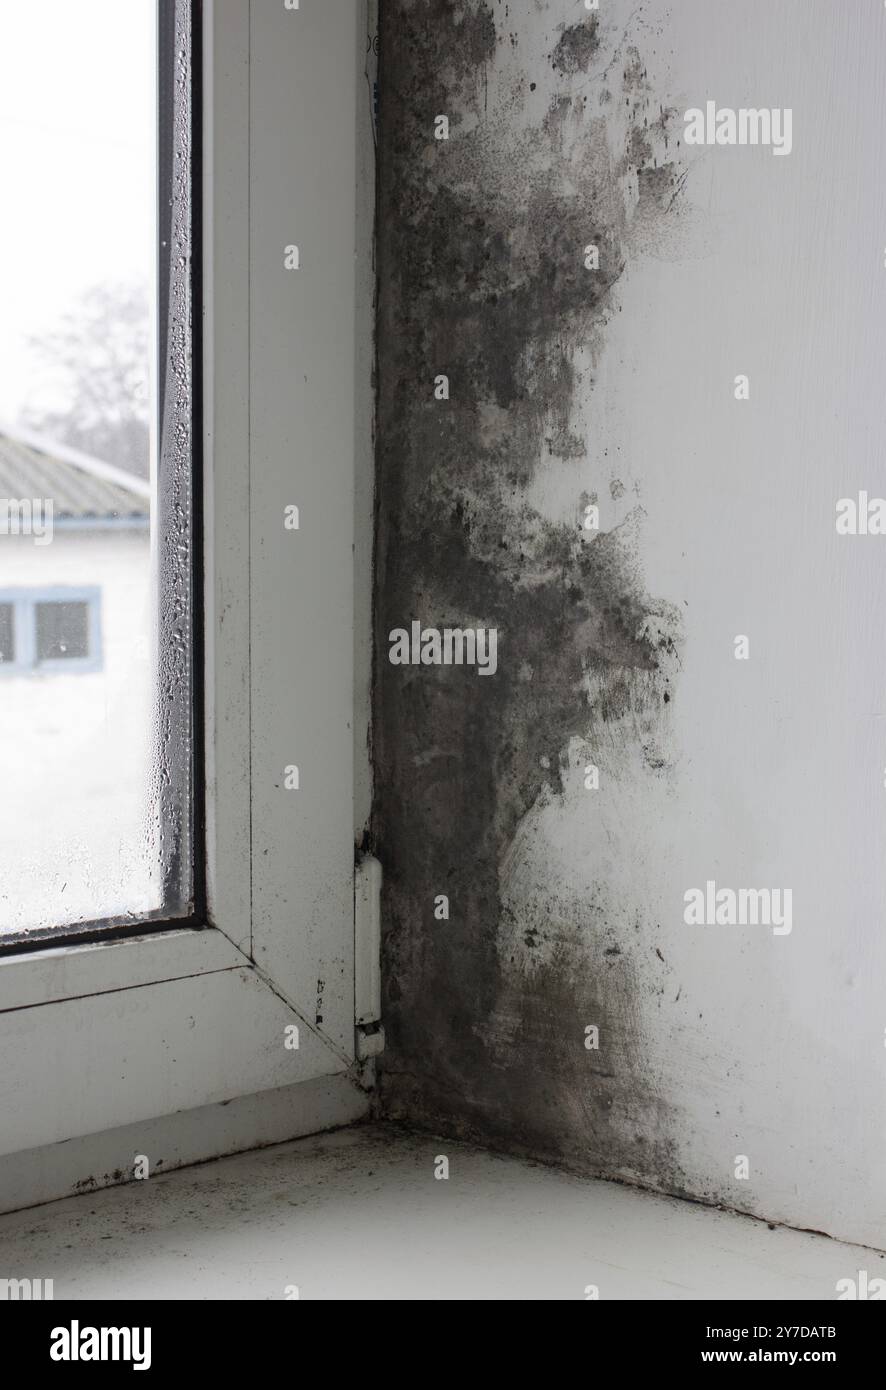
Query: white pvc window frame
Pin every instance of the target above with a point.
(107, 1034)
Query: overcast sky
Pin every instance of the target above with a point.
(77, 161)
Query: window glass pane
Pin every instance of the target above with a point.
(62, 631)
(96, 805)
(7, 632)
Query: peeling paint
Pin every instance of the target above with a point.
(556, 143)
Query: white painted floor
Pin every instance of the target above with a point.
(359, 1215)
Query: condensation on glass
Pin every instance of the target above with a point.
(97, 602)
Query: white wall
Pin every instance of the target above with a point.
(775, 1046)
(768, 773)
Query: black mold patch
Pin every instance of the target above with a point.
(576, 47)
(482, 277)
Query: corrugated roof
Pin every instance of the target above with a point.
(81, 488)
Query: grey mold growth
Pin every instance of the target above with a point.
(482, 277)
(577, 47)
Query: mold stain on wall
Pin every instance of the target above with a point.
(556, 142)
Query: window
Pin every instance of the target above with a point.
(54, 631)
(97, 466)
(114, 965)
(62, 631)
(7, 634)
